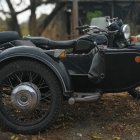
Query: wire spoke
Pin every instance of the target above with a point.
(46, 96)
(46, 99)
(43, 86)
(18, 78)
(10, 82)
(30, 77)
(41, 82)
(33, 76)
(21, 76)
(6, 86)
(25, 116)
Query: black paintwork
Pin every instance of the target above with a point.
(122, 72)
(51, 44)
(38, 54)
(8, 36)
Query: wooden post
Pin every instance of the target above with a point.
(75, 18)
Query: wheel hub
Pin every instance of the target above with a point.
(25, 96)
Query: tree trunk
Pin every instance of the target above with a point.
(49, 18)
(32, 20)
(13, 24)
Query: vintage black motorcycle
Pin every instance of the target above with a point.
(36, 74)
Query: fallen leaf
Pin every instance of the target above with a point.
(12, 137)
(79, 134)
(96, 137)
(116, 138)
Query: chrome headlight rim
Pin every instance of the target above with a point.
(126, 31)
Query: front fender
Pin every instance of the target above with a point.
(38, 54)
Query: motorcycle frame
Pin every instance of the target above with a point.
(122, 71)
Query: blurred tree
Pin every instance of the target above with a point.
(37, 29)
(34, 27)
(3, 26)
(13, 22)
(41, 27)
(133, 17)
(94, 14)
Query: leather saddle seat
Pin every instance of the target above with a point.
(8, 36)
(51, 44)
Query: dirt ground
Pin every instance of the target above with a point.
(114, 117)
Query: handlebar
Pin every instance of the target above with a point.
(87, 28)
(96, 29)
(82, 27)
(109, 20)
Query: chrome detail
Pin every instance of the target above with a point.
(126, 31)
(84, 97)
(25, 96)
(71, 101)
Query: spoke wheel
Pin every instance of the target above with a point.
(24, 92)
(28, 96)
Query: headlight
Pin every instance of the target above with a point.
(126, 31)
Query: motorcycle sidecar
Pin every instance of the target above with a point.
(121, 70)
(34, 81)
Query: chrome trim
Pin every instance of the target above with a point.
(25, 96)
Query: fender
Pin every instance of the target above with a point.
(38, 54)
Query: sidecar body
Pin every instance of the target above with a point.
(121, 73)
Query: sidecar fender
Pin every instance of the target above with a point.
(38, 54)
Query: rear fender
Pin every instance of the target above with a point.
(38, 54)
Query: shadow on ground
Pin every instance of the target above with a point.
(114, 117)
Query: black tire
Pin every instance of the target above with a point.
(135, 93)
(54, 107)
